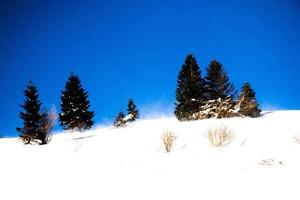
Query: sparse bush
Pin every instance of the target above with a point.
(48, 122)
(270, 162)
(297, 139)
(219, 136)
(168, 139)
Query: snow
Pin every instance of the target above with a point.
(128, 117)
(262, 162)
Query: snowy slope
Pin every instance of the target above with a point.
(262, 162)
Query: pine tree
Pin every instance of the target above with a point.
(190, 90)
(217, 82)
(75, 105)
(248, 105)
(119, 121)
(133, 112)
(32, 127)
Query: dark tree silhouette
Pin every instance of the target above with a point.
(190, 90)
(75, 114)
(133, 112)
(248, 105)
(217, 82)
(32, 128)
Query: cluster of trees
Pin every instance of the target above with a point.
(213, 96)
(132, 114)
(37, 125)
(75, 114)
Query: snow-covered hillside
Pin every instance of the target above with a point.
(262, 162)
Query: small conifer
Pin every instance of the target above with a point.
(132, 110)
(119, 121)
(248, 105)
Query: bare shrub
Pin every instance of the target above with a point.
(48, 122)
(219, 136)
(270, 162)
(297, 139)
(168, 139)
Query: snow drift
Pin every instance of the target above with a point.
(261, 162)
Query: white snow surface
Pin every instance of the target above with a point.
(262, 162)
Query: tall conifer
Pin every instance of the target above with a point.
(75, 114)
(217, 82)
(190, 90)
(32, 127)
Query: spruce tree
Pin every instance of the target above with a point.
(32, 127)
(217, 82)
(248, 105)
(119, 121)
(190, 90)
(75, 114)
(133, 112)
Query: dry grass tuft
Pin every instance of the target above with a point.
(297, 139)
(168, 139)
(270, 162)
(219, 136)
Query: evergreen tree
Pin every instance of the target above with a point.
(133, 112)
(248, 105)
(75, 105)
(119, 121)
(32, 127)
(190, 90)
(217, 82)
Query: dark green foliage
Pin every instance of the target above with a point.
(217, 82)
(132, 111)
(190, 90)
(75, 113)
(119, 121)
(248, 105)
(32, 127)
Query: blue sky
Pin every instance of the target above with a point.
(123, 49)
